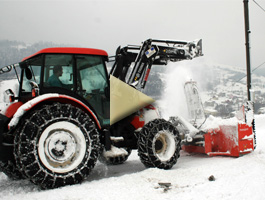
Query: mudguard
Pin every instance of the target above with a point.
(49, 97)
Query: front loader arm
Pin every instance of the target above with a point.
(152, 52)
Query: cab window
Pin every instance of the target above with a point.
(58, 71)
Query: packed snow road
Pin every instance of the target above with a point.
(230, 178)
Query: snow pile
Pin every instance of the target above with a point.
(114, 151)
(215, 123)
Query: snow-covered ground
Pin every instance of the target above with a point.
(235, 178)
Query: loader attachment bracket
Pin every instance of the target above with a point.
(140, 58)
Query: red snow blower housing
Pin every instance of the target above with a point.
(226, 137)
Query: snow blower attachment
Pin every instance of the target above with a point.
(215, 136)
(225, 137)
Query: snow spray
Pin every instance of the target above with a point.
(173, 100)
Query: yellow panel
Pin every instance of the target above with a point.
(125, 100)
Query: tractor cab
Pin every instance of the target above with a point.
(77, 72)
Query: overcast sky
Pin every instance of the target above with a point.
(106, 24)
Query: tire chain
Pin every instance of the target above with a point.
(10, 169)
(145, 140)
(26, 156)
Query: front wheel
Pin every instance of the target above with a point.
(159, 144)
(57, 145)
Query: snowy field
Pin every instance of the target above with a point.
(235, 179)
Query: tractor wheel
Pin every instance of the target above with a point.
(159, 144)
(117, 160)
(10, 169)
(57, 145)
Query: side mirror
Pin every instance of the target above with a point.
(28, 73)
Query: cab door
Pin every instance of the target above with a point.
(93, 84)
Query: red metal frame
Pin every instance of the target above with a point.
(12, 109)
(229, 140)
(70, 50)
(138, 120)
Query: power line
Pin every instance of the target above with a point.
(259, 5)
(258, 66)
(251, 71)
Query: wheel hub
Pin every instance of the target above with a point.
(164, 145)
(160, 144)
(61, 146)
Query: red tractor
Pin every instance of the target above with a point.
(58, 125)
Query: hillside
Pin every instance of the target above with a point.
(222, 88)
(14, 51)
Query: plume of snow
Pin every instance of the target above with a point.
(173, 102)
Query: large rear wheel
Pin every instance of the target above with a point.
(8, 165)
(57, 145)
(10, 169)
(159, 144)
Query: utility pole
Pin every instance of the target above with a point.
(247, 33)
